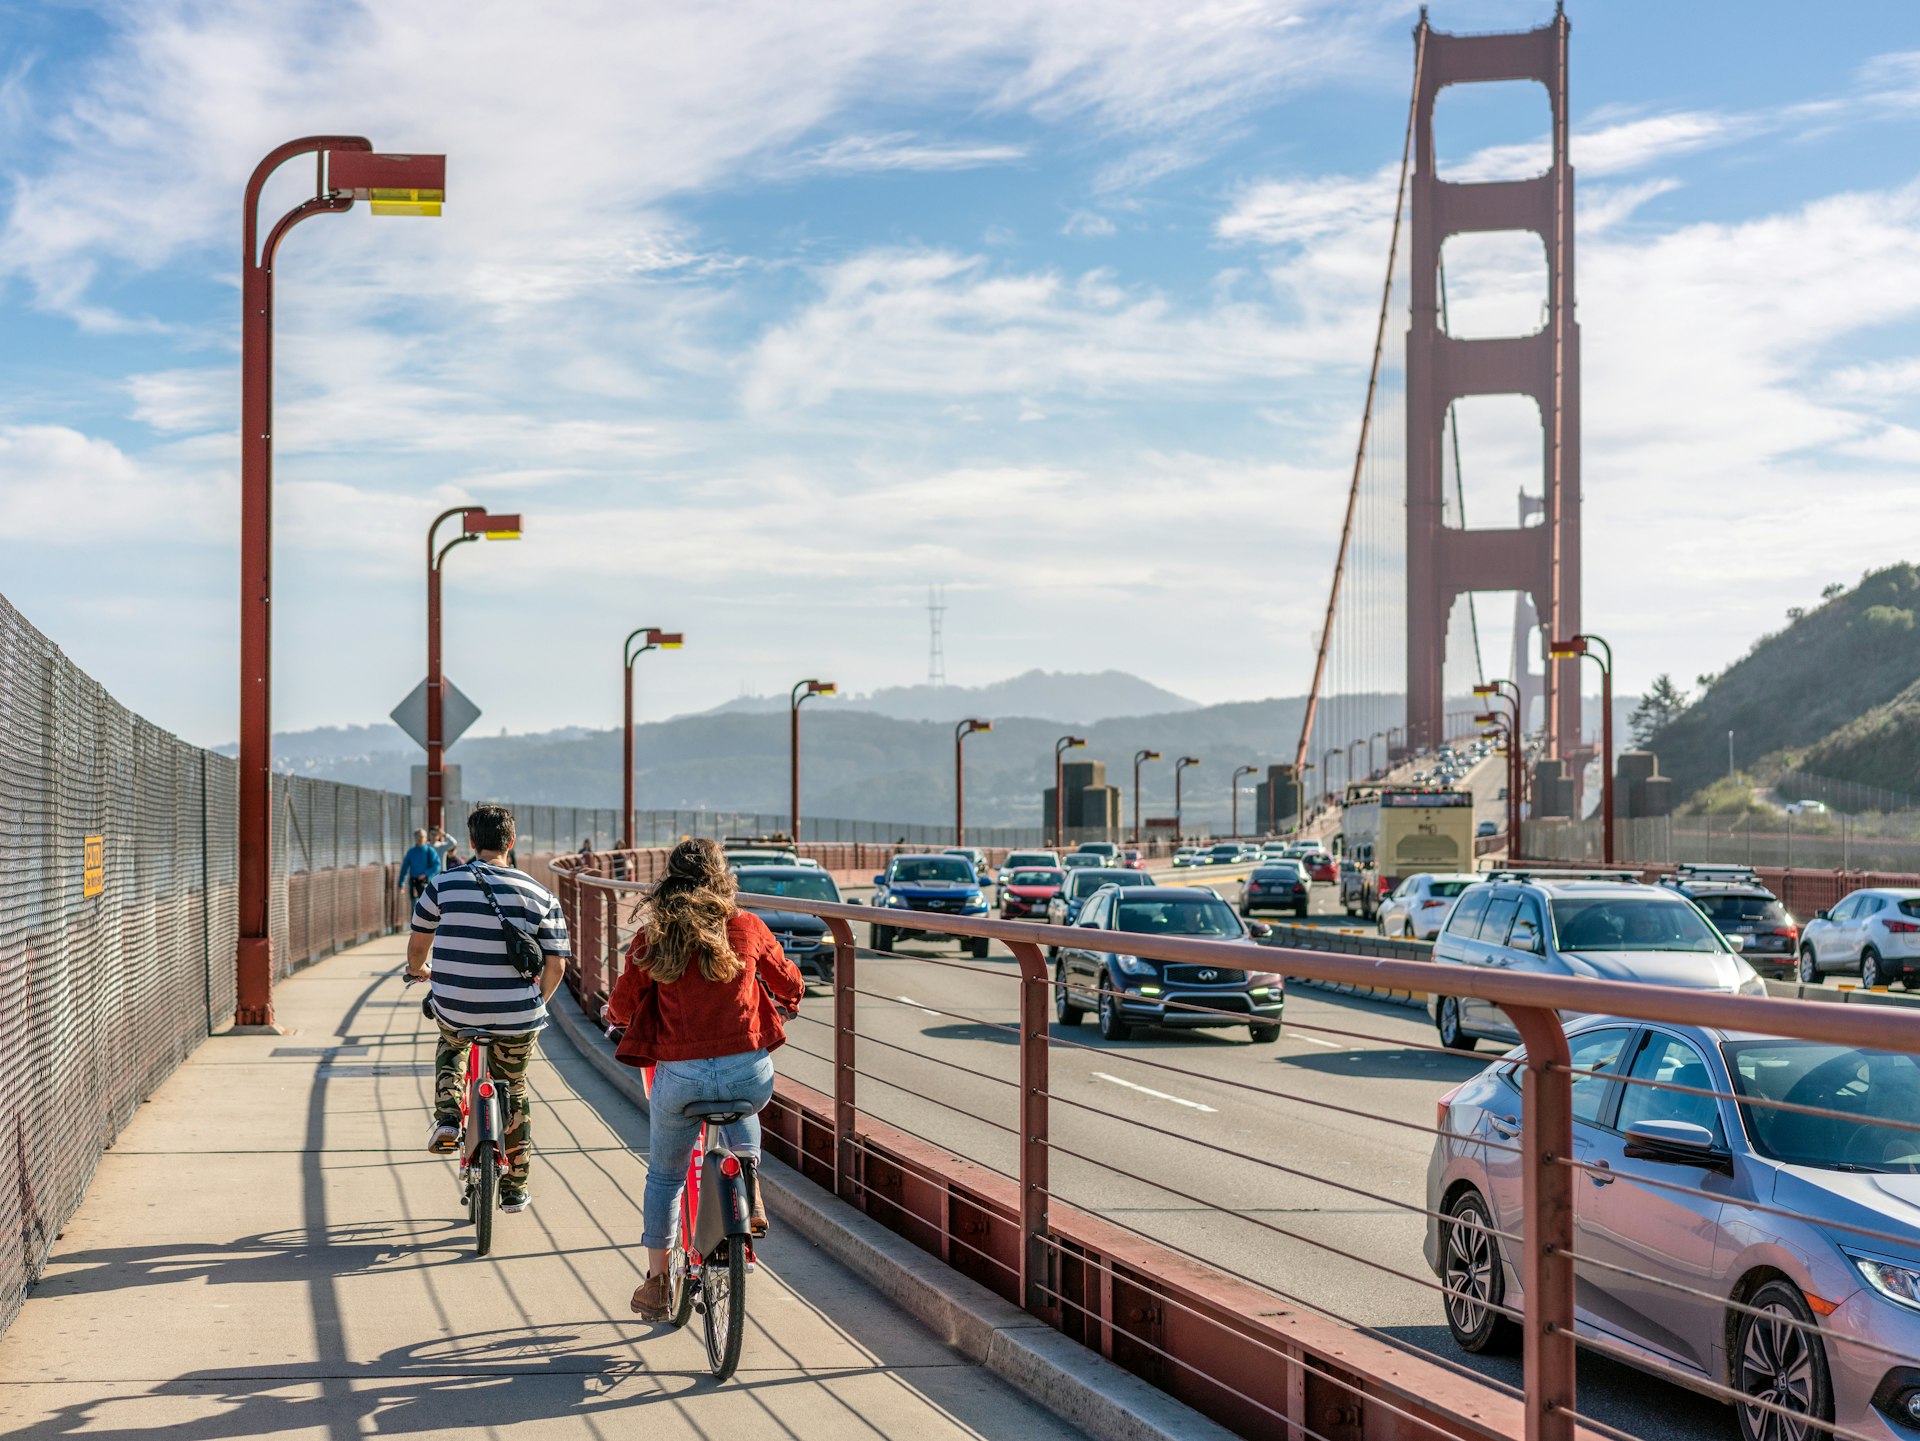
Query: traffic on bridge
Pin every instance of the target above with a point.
(1436, 1022)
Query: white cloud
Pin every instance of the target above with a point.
(902, 150)
(1088, 223)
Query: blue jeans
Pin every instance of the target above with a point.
(747, 1076)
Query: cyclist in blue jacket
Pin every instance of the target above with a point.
(419, 865)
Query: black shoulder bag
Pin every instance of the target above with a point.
(523, 942)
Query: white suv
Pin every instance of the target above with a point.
(1419, 904)
(1876, 933)
(1581, 927)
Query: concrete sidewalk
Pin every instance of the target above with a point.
(269, 1252)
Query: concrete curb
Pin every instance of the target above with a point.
(1346, 942)
(1079, 1386)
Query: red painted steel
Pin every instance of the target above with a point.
(1443, 562)
(254, 973)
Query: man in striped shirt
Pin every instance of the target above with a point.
(458, 940)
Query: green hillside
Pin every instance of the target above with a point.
(1836, 688)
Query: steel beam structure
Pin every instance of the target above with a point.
(1444, 562)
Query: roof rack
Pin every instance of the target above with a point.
(1524, 873)
(1714, 871)
(775, 842)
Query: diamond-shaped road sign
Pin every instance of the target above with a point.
(456, 714)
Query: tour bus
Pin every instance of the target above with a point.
(1388, 833)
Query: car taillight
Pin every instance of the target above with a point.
(1790, 932)
(1386, 885)
(1443, 1106)
(1902, 928)
(1425, 904)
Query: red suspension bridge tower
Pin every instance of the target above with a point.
(1445, 562)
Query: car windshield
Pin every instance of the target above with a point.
(1731, 910)
(1035, 878)
(1082, 884)
(1631, 923)
(916, 869)
(1865, 1087)
(1079, 862)
(811, 886)
(1445, 889)
(1277, 873)
(1029, 858)
(1181, 916)
(1226, 850)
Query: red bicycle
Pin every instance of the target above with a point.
(712, 1254)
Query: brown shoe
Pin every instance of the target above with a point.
(653, 1299)
(756, 1208)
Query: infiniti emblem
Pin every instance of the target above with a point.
(1209, 975)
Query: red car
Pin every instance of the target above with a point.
(1133, 861)
(1320, 866)
(1025, 893)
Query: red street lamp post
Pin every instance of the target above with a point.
(1583, 645)
(1502, 722)
(656, 639)
(475, 522)
(1139, 756)
(1060, 748)
(1372, 769)
(1509, 693)
(1235, 784)
(802, 692)
(346, 170)
(1326, 774)
(961, 732)
(1179, 829)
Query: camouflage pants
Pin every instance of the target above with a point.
(507, 1061)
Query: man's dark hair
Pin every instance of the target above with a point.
(490, 828)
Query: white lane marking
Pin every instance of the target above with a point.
(1316, 1041)
(910, 1001)
(1149, 1091)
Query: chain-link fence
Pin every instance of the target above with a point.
(1838, 843)
(118, 869)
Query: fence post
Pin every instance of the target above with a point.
(845, 1183)
(610, 955)
(1038, 1293)
(1546, 1270)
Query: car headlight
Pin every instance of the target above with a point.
(978, 903)
(1753, 985)
(1899, 1284)
(1133, 966)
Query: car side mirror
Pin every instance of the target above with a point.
(1259, 930)
(1739, 943)
(879, 880)
(1823, 915)
(1525, 937)
(1681, 1142)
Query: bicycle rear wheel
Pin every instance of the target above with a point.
(723, 1286)
(679, 1286)
(486, 1172)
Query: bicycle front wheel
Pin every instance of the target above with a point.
(486, 1173)
(723, 1286)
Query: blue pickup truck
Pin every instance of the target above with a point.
(932, 885)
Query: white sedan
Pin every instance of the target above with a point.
(1418, 906)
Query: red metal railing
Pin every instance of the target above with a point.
(1235, 1344)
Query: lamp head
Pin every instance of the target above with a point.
(666, 639)
(390, 184)
(1487, 718)
(1563, 649)
(822, 687)
(1189, 760)
(492, 527)
(974, 726)
(1149, 755)
(1486, 690)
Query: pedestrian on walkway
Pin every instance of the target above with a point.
(459, 926)
(419, 865)
(701, 999)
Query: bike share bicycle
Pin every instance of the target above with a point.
(713, 1254)
(482, 1143)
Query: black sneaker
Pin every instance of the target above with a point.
(514, 1199)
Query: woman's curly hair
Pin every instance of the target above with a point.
(686, 917)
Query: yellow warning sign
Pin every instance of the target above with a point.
(93, 879)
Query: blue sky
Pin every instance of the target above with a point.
(769, 317)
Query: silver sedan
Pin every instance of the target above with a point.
(1810, 1308)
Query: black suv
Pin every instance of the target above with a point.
(1128, 990)
(805, 939)
(1739, 905)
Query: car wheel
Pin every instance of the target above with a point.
(1065, 1010)
(1870, 972)
(1778, 1359)
(882, 938)
(1451, 1035)
(1474, 1277)
(978, 945)
(1809, 968)
(1265, 1033)
(1300, 912)
(1112, 1026)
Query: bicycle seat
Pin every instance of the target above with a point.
(471, 1034)
(720, 1113)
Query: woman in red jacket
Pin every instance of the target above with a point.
(700, 999)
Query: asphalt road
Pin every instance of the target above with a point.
(1314, 1202)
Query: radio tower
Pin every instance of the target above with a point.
(936, 650)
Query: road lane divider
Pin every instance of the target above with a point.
(1158, 1095)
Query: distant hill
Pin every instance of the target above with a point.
(1834, 693)
(1078, 699)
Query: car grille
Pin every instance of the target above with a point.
(943, 904)
(1204, 976)
(1238, 1003)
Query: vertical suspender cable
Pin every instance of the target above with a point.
(1460, 492)
(1366, 418)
